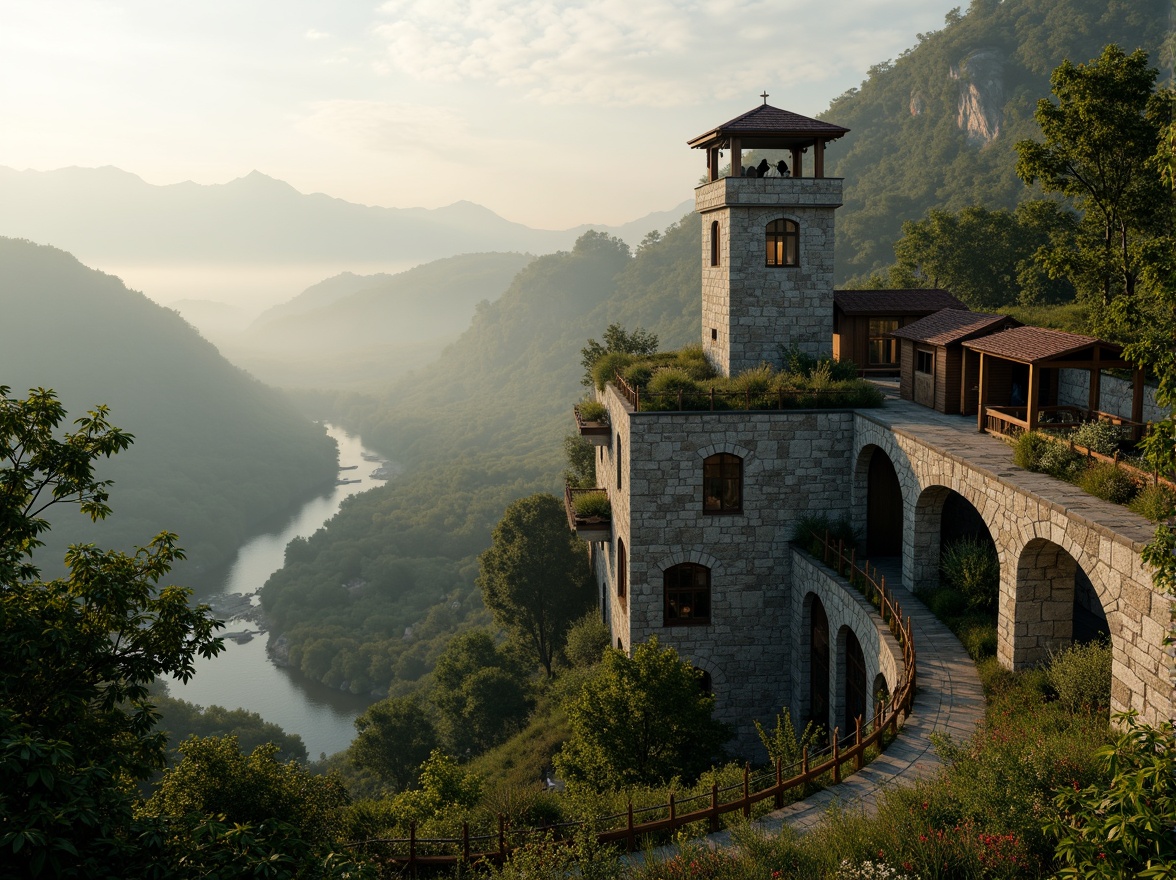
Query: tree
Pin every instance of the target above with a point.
(617, 339)
(395, 737)
(76, 719)
(535, 578)
(1098, 140)
(640, 720)
(480, 693)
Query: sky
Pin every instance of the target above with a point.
(549, 113)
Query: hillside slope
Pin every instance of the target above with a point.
(217, 455)
(936, 128)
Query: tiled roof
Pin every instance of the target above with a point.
(894, 302)
(951, 325)
(767, 120)
(1030, 345)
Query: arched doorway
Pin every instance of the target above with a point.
(883, 507)
(944, 519)
(853, 684)
(818, 665)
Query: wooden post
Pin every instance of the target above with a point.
(836, 755)
(412, 845)
(1092, 398)
(779, 799)
(1031, 399)
(819, 158)
(1137, 404)
(679, 398)
(712, 398)
(982, 394)
(673, 815)
(714, 816)
(746, 790)
(804, 768)
(629, 839)
(465, 842)
(859, 758)
(501, 838)
(736, 158)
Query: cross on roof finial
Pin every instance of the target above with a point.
(764, 95)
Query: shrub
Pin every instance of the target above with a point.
(970, 565)
(811, 528)
(592, 504)
(1058, 460)
(638, 374)
(666, 385)
(1080, 675)
(979, 640)
(755, 381)
(947, 603)
(1101, 437)
(1154, 502)
(1108, 482)
(608, 365)
(1028, 449)
(694, 362)
(593, 411)
(587, 639)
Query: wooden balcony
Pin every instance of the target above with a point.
(589, 528)
(596, 433)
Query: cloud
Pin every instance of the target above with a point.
(626, 53)
(314, 35)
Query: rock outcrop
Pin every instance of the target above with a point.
(981, 81)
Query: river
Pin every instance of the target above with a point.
(242, 676)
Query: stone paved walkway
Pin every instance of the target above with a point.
(948, 700)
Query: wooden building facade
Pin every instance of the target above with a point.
(863, 321)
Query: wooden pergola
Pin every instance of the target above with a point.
(768, 128)
(1042, 350)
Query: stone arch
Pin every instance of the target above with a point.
(816, 666)
(878, 486)
(852, 695)
(930, 508)
(718, 681)
(1052, 589)
(751, 464)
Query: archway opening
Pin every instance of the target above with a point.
(883, 506)
(881, 694)
(1056, 604)
(854, 693)
(818, 663)
(957, 566)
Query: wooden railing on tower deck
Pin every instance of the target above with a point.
(773, 783)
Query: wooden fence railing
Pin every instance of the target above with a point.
(699, 401)
(773, 783)
(1012, 421)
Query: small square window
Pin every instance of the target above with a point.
(714, 334)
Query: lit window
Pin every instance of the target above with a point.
(883, 350)
(722, 483)
(783, 240)
(687, 589)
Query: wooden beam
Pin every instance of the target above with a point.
(1095, 382)
(797, 162)
(982, 400)
(1031, 395)
(736, 158)
(819, 158)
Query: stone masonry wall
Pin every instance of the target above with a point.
(1114, 394)
(793, 463)
(758, 311)
(845, 607)
(1034, 536)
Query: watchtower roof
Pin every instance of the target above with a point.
(770, 127)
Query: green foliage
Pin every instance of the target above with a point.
(592, 504)
(1028, 449)
(1157, 503)
(782, 744)
(947, 604)
(215, 466)
(1106, 481)
(593, 411)
(1098, 140)
(445, 788)
(216, 779)
(1098, 436)
(640, 719)
(616, 340)
(581, 456)
(479, 691)
(80, 653)
(1123, 829)
(1081, 676)
(587, 639)
(906, 153)
(180, 720)
(811, 528)
(545, 858)
(971, 566)
(535, 578)
(394, 737)
(1058, 460)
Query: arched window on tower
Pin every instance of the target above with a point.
(783, 239)
(688, 593)
(714, 242)
(622, 570)
(722, 483)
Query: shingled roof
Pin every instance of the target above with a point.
(1032, 345)
(894, 302)
(768, 122)
(952, 325)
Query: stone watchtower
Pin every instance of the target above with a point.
(767, 240)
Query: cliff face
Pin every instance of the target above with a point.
(981, 82)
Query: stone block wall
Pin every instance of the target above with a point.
(751, 312)
(1114, 394)
(845, 607)
(794, 463)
